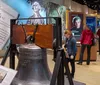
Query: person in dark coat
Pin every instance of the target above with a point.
(71, 50)
(86, 41)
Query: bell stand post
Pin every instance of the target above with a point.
(58, 72)
(11, 49)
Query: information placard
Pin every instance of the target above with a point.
(6, 75)
(6, 13)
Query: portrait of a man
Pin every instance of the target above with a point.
(36, 7)
(76, 23)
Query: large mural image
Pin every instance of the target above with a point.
(56, 10)
(13, 9)
(38, 12)
(28, 9)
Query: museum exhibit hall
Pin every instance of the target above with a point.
(50, 42)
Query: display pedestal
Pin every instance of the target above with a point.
(93, 53)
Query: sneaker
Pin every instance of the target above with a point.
(79, 63)
(65, 73)
(54, 59)
(72, 75)
(88, 63)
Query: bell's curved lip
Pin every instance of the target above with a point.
(30, 46)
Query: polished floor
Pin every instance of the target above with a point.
(88, 74)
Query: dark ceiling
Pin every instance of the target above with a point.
(93, 4)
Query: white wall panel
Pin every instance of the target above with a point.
(67, 3)
(76, 7)
(60, 2)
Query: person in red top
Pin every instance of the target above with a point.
(98, 33)
(86, 41)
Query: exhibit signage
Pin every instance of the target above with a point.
(6, 13)
(6, 75)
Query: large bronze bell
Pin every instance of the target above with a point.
(32, 66)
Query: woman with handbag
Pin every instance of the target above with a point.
(86, 41)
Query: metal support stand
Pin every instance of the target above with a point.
(12, 56)
(58, 72)
(13, 51)
(60, 78)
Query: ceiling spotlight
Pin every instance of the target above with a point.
(96, 0)
(93, 4)
(88, 4)
(99, 6)
(84, 1)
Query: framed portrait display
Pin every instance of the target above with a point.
(76, 23)
(91, 22)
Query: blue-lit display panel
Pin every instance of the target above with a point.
(98, 22)
(91, 22)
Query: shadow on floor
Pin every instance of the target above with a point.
(75, 82)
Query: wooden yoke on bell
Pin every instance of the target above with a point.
(43, 36)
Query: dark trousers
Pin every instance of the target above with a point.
(72, 63)
(88, 53)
